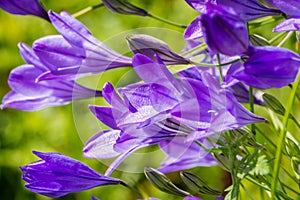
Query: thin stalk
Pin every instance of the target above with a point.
(282, 138)
(87, 9)
(220, 68)
(195, 50)
(251, 100)
(276, 37)
(215, 65)
(247, 192)
(166, 21)
(285, 39)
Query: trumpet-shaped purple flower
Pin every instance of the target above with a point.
(224, 32)
(24, 7)
(30, 95)
(268, 67)
(76, 51)
(163, 108)
(57, 175)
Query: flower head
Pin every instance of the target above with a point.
(57, 175)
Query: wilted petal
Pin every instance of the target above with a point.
(57, 175)
(24, 7)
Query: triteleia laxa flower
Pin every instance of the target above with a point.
(268, 67)
(163, 108)
(76, 51)
(24, 7)
(223, 31)
(56, 175)
(28, 94)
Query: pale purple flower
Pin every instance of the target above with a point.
(28, 94)
(56, 175)
(161, 109)
(76, 52)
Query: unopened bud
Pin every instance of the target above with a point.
(124, 7)
(164, 184)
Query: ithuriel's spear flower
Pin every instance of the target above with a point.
(268, 67)
(24, 7)
(76, 51)
(161, 109)
(28, 94)
(57, 175)
(223, 31)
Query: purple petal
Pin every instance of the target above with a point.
(24, 7)
(292, 24)
(101, 145)
(106, 115)
(292, 7)
(194, 30)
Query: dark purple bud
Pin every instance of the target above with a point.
(224, 32)
(151, 47)
(124, 7)
(57, 175)
(24, 7)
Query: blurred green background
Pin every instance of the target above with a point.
(65, 129)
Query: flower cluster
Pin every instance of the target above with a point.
(196, 116)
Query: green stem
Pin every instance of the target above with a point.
(166, 21)
(215, 65)
(276, 37)
(195, 50)
(87, 9)
(220, 68)
(282, 138)
(251, 100)
(285, 39)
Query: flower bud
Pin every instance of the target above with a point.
(124, 7)
(160, 181)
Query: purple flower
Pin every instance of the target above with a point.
(76, 51)
(249, 10)
(161, 109)
(224, 32)
(199, 5)
(268, 67)
(57, 175)
(29, 95)
(24, 7)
